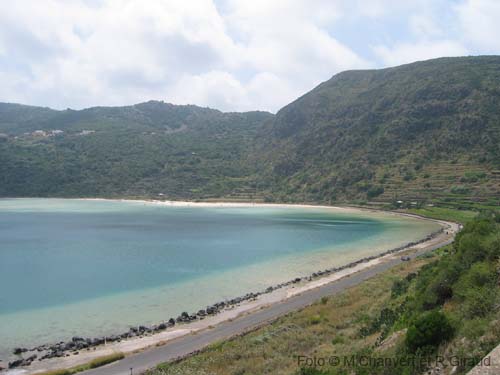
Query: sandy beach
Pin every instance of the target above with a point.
(246, 307)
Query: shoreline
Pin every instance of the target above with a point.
(175, 203)
(79, 350)
(220, 204)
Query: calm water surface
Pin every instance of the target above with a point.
(91, 268)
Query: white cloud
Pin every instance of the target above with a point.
(479, 23)
(424, 26)
(410, 52)
(231, 55)
(114, 52)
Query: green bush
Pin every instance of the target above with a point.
(310, 371)
(338, 340)
(471, 249)
(429, 330)
(101, 361)
(494, 250)
(478, 302)
(399, 287)
(479, 275)
(58, 372)
(315, 319)
(375, 191)
(458, 189)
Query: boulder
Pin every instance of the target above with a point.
(16, 363)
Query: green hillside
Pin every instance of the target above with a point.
(427, 129)
(427, 132)
(142, 150)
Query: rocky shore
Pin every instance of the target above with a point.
(25, 356)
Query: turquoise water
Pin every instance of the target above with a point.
(96, 267)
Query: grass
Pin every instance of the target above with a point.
(329, 326)
(460, 216)
(95, 363)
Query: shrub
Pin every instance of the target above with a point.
(494, 249)
(429, 330)
(338, 340)
(478, 302)
(479, 275)
(459, 189)
(58, 372)
(375, 191)
(473, 176)
(101, 361)
(399, 287)
(310, 371)
(408, 177)
(315, 319)
(471, 249)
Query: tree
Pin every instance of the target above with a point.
(430, 330)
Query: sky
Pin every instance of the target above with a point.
(232, 55)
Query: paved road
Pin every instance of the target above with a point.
(185, 345)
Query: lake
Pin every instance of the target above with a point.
(96, 267)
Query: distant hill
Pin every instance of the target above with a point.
(427, 130)
(150, 149)
(422, 132)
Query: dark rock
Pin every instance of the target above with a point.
(22, 362)
(210, 310)
(16, 363)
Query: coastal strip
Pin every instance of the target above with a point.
(79, 350)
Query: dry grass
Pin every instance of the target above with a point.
(97, 362)
(330, 326)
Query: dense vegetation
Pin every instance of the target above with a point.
(424, 130)
(446, 304)
(143, 150)
(428, 131)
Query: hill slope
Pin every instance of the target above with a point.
(427, 131)
(142, 150)
(422, 130)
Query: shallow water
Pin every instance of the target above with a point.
(90, 268)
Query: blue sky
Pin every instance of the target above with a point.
(233, 55)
